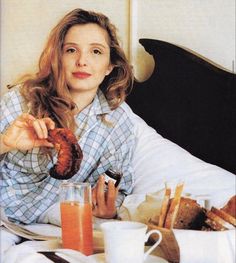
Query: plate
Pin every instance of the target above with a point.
(100, 258)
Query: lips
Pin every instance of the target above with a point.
(81, 75)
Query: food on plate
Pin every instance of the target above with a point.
(69, 155)
(190, 215)
(224, 215)
(181, 212)
(164, 207)
(216, 222)
(173, 209)
(230, 207)
(224, 218)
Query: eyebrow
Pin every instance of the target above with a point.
(91, 44)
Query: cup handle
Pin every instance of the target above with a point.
(154, 245)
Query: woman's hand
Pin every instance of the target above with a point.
(104, 201)
(27, 132)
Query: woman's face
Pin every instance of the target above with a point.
(86, 57)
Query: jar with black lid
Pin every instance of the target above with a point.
(114, 176)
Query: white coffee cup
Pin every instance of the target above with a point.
(124, 241)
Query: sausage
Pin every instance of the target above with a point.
(69, 154)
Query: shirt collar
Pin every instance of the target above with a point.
(100, 105)
(87, 118)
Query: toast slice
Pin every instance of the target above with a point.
(174, 207)
(227, 217)
(217, 223)
(164, 207)
(224, 218)
(230, 207)
(190, 215)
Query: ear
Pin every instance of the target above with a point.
(109, 69)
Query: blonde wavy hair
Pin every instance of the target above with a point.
(47, 91)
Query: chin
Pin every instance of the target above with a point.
(80, 88)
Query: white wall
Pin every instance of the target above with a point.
(206, 27)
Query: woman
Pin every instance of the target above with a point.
(82, 82)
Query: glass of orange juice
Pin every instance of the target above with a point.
(76, 217)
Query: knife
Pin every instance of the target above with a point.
(53, 256)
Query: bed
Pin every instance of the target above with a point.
(189, 101)
(185, 126)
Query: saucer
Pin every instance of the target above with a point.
(100, 258)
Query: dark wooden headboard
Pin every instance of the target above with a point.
(189, 101)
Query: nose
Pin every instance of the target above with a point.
(81, 59)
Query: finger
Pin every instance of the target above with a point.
(27, 116)
(20, 124)
(40, 128)
(49, 123)
(94, 196)
(111, 196)
(24, 120)
(100, 192)
(45, 124)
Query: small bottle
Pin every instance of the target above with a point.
(114, 176)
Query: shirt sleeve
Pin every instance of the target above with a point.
(120, 152)
(11, 106)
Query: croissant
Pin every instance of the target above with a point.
(69, 153)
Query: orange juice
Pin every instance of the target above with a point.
(76, 223)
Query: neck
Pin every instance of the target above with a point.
(82, 99)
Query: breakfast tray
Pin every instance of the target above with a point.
(168, 245)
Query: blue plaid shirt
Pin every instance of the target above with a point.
(27, 190)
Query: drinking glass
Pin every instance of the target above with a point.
(76, 217)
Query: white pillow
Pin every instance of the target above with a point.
(157, 160)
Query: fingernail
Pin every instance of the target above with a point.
(102, 177)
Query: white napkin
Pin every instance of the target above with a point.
(206, 246)
(141, 207)
(27, 253)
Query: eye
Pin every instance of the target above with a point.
(70, 50)
(97, 52)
